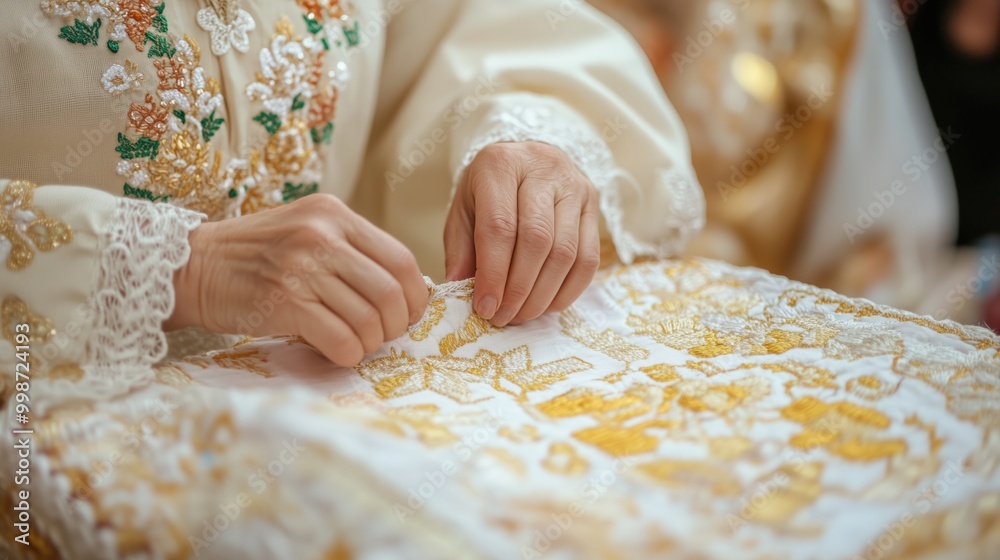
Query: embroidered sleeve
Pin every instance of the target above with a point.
(25, 229)
(98, 288)
(141, 249)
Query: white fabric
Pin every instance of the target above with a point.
(886, 136)
(687, 409)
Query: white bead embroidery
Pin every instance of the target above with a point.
(224, 35)
(119, 79)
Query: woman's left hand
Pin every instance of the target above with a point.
(525, 222)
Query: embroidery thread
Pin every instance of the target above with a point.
(25, 229)
(228, 24)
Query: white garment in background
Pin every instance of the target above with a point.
(885, 123)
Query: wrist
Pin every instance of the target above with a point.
(188, 283)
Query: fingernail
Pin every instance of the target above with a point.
(487, 307)
(503, 317)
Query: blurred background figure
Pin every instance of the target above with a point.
(819, 154)
(957, 45)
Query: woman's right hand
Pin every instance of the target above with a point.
(312, 268)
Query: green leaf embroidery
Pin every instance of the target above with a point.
(353, 34)
(298, 103)
(210, 125)
(313, 25)
(180, 115)
(134, 192)
(161, 45)
(113, 46)
(159, 21)
(270, 121)
(292, 192)
(323, 135)
(295, 191)
(144, 147)
(81, 33)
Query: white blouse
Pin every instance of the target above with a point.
(147, 112)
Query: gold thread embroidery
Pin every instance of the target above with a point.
(433, 317)
(609, 343)
(242, 359)
(25, 229)
(523, 434)
(692, 474)
(15, 312)
(513, 372)
(843, 428)
(400, 374)
(508, 460)
(563, 459)
(474, 327)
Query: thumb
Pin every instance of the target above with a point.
(459, 247)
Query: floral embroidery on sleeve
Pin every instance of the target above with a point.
(15, 312)
(166, 151)
(298, 100)
(140, 21)
(119, 79)
(228, 24)
(25, 229)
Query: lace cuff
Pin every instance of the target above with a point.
(142, 247)
(682, 220)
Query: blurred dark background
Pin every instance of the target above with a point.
(957, 47)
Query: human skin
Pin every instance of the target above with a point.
(524, 222)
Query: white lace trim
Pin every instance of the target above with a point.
(143, 246)
(684, 219)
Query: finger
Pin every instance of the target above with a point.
(535, 235)
(351, 307)
(588, 258)
(459, 246)
(495, 234)
(560, 260)
(378, 287)
(329, 334)
(395, 258)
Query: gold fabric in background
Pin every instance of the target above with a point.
(758, 86)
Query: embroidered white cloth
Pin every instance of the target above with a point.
(685, 409)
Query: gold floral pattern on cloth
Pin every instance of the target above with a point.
(15, 311)
(25, 229)
(784, 422)
(237, 358)
(166, 147)
(27, 342)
